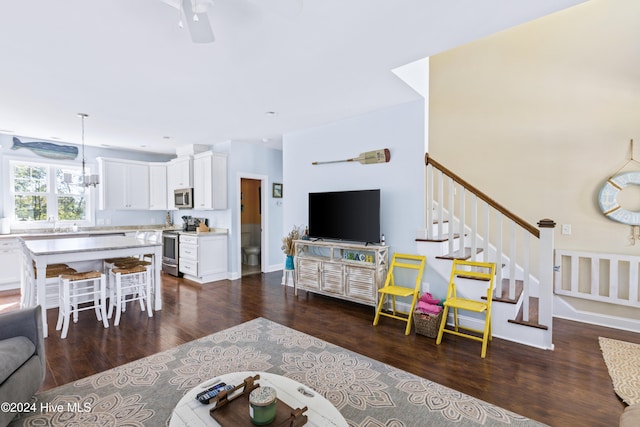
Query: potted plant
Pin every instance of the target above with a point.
(288, 246)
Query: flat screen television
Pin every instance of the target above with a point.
(345, 215)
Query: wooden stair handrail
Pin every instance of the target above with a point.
(515, 218)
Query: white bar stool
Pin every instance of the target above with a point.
(76, 289)
(129, 283)
(29, 275)
(52, 288)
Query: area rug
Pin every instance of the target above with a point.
(367, 393)
(623, 363)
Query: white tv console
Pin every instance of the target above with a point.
(343, 270)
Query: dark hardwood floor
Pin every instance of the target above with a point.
(566, 387)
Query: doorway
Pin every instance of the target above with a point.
(251, 219)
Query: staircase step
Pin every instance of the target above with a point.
(533, 315)
(443, 238)
(459, 254)
(504, 294)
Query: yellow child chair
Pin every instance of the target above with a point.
(412, 262)
(478, 272)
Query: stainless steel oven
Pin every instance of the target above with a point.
(170, 253)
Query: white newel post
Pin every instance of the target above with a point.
(545, 308)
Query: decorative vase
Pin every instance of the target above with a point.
(288, 265)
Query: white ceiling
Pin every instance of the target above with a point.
(129, 66)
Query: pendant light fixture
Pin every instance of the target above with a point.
(86, 180)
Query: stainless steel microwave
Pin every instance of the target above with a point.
(183, 198)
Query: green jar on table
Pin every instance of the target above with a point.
(262, 405)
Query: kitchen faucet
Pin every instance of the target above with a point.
(52, 220)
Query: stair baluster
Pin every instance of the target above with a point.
(500, 236)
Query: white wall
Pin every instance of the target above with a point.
(115, 218)
(253, 160)
(539, 116)
(400, 129)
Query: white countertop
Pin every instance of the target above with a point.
(83, 232)
(211, 232)
(85, 244)
(38, 235)
(60, 234)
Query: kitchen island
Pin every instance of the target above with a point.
(42, 252)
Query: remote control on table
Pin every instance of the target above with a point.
(206, 396)
(210, 389)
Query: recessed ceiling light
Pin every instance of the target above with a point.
(166, 137)
(271, 113)
(105, 145)
(266, 139)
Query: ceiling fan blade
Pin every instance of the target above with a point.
(200, 29)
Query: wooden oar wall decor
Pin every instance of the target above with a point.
(366, 158)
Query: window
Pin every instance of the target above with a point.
(39, 195)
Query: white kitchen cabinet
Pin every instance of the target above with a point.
(157, 186)
(123, 184)
(210, 181)
(10, 263)
(179, 173)
(203, 257)
(179, 176)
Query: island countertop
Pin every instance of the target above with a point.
(84, 244)
(82, 232)
(51, 251)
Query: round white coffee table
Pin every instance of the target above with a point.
(189, 412)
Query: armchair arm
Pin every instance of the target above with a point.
(28, 323)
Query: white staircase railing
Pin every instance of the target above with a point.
(609, 278)
(487, 231)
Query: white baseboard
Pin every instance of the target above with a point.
(563, 310)
(274, 267)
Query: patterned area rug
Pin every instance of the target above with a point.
(366, 392)
(623, 362)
